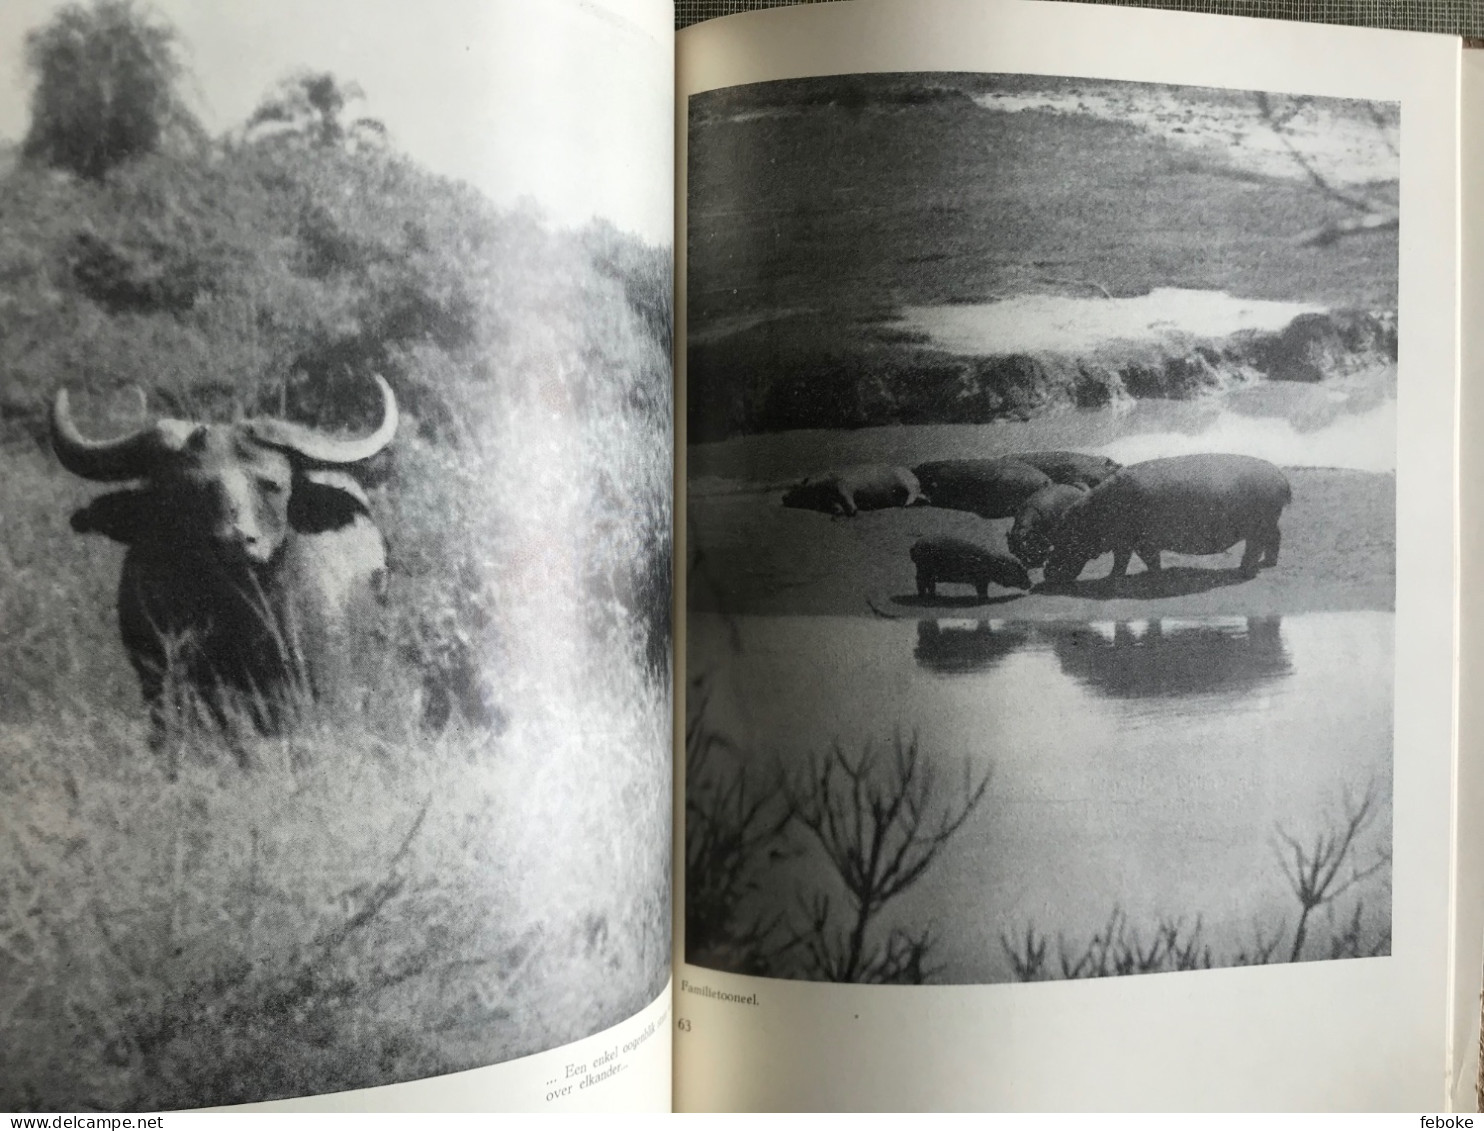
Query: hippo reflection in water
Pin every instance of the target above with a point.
(958, 647)
(1174, 657)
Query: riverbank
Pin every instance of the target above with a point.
(747, 554)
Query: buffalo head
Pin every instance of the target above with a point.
(252, 550)
(222, 490)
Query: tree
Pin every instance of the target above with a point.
(106, 87)
(307, 106)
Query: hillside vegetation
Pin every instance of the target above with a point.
(476, 865)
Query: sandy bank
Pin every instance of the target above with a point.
(750, 555)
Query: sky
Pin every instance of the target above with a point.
(566, 101)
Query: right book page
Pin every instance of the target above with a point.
(1069, 406)
(1468, 1083)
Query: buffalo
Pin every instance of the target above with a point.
(1197, 504)
(253, 565)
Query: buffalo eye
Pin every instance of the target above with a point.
(272, 486)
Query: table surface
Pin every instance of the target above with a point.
(1453, 17)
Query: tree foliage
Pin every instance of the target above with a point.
(107, 79)
(307, 108)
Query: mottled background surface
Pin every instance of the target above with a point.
(1453, 17)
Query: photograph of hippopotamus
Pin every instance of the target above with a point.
(957, 560)
(1198, 504)
(999, 347)
(851, 490)
(336, 491)
(1113, 685)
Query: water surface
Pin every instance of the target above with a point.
(1145, 765)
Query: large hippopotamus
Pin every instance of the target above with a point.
(1200, 504)
(867, 487)
(990, 488)
(1030, 537)
(968, 563)
(1071, 468)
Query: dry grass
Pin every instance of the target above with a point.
(215, 918)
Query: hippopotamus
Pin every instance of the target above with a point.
(1199, 504)
(990, 488)
(968, 563)
(867, 487)
(1030, 537)
(1071, 468)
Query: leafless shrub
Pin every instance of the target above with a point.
(1318, 872)
(733, 834)
(881, 826)
(1314, 871)
(1263, 947)
(1117, 949)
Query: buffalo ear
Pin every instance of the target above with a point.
(326, 499)
(123, 516)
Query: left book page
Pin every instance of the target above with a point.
(335, 502)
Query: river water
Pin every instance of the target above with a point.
(1145, 765)
(1346, 422)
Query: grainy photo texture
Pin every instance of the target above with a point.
(1041, 514)
(335, 620)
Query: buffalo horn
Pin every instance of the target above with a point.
(125, 457)
(321, 448)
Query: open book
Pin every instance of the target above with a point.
(1068, 702)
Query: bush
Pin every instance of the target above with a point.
(106, 80)
(476, 865)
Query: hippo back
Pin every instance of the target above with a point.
(1070, 468)
(1195, 504)
(990, 488)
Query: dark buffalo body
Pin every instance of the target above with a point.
(1071, 468)
(1031, 536)
(854, 489)
(990, 488)
(1199, 504)
(252, 555)
(957, 560)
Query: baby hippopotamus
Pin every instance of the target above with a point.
(966, 563)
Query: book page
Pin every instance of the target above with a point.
(336, 452)
(1468, 835)
(1069, 406)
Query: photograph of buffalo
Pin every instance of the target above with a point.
(335, 708)
(1040, 527)
(253, 557)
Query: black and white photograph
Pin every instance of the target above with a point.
(1040, 527)
(336, 465)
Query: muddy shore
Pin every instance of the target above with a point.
(748, 554)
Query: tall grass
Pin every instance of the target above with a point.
(468, 862)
